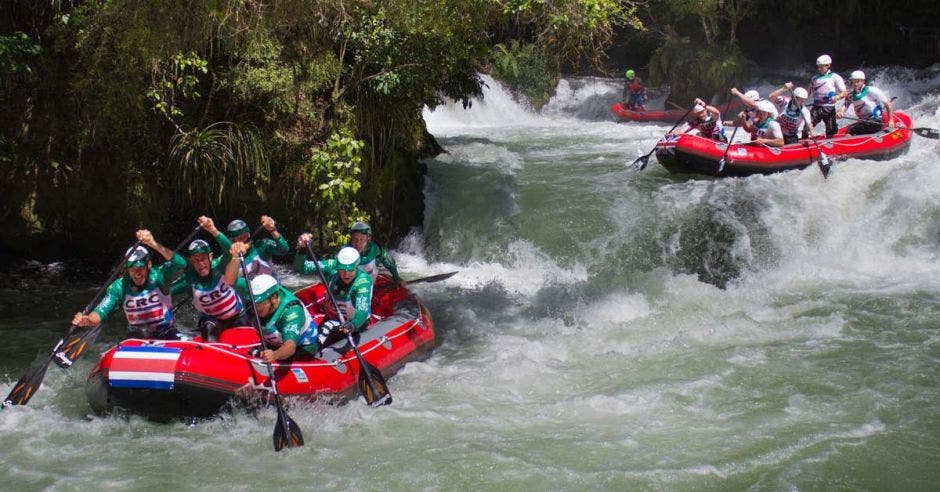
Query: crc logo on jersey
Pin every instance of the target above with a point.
(141, 301)
(210, 297)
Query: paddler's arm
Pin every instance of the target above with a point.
(301, 263)
(108, 304)
(234, 262)
(209, 226)
(385, 258)
(280, 246)
(291, 322)
(362, 300)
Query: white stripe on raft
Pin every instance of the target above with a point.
(141, 376)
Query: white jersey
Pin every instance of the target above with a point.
(868, 103)
(825, 88)
(791, 120)
(770, 129)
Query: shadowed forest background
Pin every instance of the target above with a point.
(124, 114)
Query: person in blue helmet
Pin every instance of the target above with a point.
(143, 292)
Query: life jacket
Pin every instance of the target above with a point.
(219, 301)
(271, 335)
(148, 308)
(824, 89)
(256, 265)
(866, 107)
(791, 119)
(710, 128)
(758, 130)
(635, 85)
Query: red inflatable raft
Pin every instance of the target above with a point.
(624, 114)
(168, 379)
(688, 153)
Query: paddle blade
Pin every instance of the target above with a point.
(825, 165)
(640, 163)
(931, 133)
(286, 432)
(26, 387)
(73, 345)
(373, 387)
(432, 278)
(721, 165)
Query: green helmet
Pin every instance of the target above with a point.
(137, 257)
(362, 228)
(347, 259)
(630, 73)
(198, 246)
(236, 228)
(263, 287)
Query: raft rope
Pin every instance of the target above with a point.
(228, 348)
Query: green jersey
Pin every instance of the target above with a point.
(375, 253)
(148, 306)
(290, 321)
(258, 258)
(354, 299)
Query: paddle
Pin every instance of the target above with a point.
(931, 133)
(371, 382)
(640, 163)
(825, 166)
(286, 431)
(74, 346)
(69, 347)
(721, 163)
(432, 278)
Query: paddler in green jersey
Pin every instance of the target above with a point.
(258, 258)
(360, 238)
(286, 325)
(351, 287)
(216, 288)
(143, 292)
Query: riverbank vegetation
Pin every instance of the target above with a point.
(122, 114)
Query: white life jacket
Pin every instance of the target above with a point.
(826, 87)
(219, 301)
(148, 308)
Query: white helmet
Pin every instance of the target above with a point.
(766, 106)
(347, 259)
(752, 95)
(824, 60)
(263, 286)
(698, 108)
(800, 92)
(857, 75)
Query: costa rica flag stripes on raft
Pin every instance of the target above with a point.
(143, 367)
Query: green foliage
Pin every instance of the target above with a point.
(16, 51)
(333, 171)
(691, 71)
(179, 81)
(211, 162)
(527, 69)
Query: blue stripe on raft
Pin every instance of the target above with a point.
(142, 348)
(131, 383)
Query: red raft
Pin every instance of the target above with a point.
(667, 115)
(688, 153)
(164, 380)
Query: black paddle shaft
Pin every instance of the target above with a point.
(286, 431)
(640, 163)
